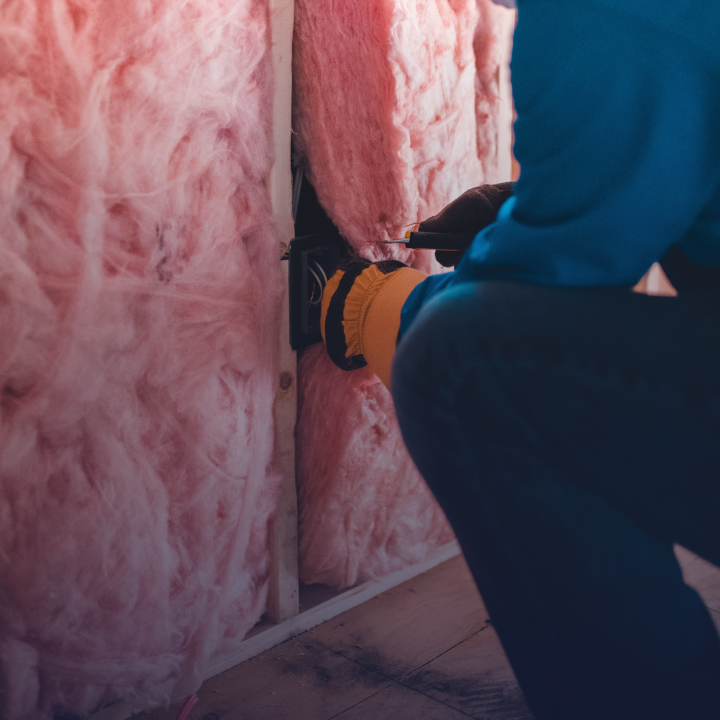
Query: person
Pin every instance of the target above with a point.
(569, 427)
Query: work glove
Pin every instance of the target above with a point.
(362, 301)
(360, 313)
(467, 215)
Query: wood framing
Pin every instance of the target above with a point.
(283, 602)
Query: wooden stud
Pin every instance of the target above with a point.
(283, 597)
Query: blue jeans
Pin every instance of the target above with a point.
(571, 437)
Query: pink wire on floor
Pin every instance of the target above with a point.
(187, 707)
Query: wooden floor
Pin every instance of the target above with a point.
(422, 651)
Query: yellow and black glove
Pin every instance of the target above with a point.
(360, 313)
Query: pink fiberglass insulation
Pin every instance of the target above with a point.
(364, 509)
(395, 115)
(489, 53)
(139, 323)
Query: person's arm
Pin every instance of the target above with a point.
(362, 302)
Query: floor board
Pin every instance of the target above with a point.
(424, 650)
(474, 677)
(300, 679)
(398, 701)
(387, 658)
(411, 624)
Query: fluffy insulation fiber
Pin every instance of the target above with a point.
(395, 115)
(138, 326)
(364, 508)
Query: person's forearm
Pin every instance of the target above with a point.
(363, 303)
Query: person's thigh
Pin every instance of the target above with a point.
(622, 388)
(571, 436)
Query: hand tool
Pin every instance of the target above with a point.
(416, 240)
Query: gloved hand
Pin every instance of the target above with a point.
(360, 313)
(467, 215)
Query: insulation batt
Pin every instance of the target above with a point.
(395, 115)
(364, 508)
(138, 325)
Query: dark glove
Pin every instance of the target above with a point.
(467, 215)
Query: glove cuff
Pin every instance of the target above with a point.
(360, 314)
